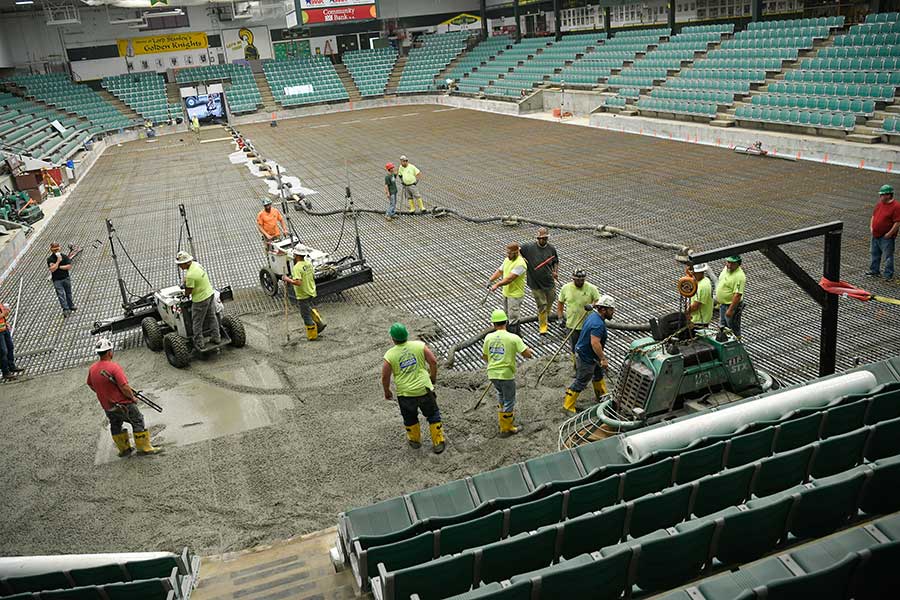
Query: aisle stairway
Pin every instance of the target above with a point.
(349, 84)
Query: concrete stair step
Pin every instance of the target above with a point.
(863, 138)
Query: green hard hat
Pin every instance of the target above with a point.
(886, 189)
(399, 332)
(499, 316)
(736, 258)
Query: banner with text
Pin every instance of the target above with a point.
(339, 14)
(313, 4)
(246, 43)
(173, 42)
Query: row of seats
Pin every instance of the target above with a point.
(890, 17)
(820, 103)
(427, 61)
(891, 125)
(789, 23)
(592, 483)
(859, 52)
(243, 94)
(160, 577)
(718, 98)
(849, 77)
(145, 93)
(56, 89)
(26, 126)
(370, 69)
(876, 92)
(738, 520)
(317, 72)
(612, 55)
(853, 64)
(803, 118)
(684, 107)
(870, 39)
(483, 52)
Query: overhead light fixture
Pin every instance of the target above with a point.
(175, 12)
(24, 2)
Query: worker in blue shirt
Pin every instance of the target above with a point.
(590, 360)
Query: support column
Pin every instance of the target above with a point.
(672, 16)
(756, 10)
(557, 20)
(606, 21)
(484, 30)
(518, 20)
(832, 272)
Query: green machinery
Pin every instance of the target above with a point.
(668, 375)
(14, 207)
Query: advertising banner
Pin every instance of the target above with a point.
(172, 42)
(339, 14)
(310, 4)
(246, 43)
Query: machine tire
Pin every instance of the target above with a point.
(153, 336)
(268, 281)
(235, 330)
(178, 350)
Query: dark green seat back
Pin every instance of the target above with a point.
(844, 418)
(828, 584)
(592, 497)
(399, 555)
(782, 471)
(553, 468)
(694, 464)
(537, 513)
(795, 433)
(506, 482)
(885, 440)
(444, 500)
(880, 494)
(147, 589)
(878, 572)
(525, 552)
(826, 507)
(604, 578)
(651, 478)
(668, 561)
(728, 488)
(883, 407)
(839, 453)
(436, 579)
(750, 447)
(748, 535)
(592, 532)
(659, 511)
(477, 532)
(98, 575)
(35, 583)
(152, 568)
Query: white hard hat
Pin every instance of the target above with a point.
(103, 345)
(605, 301)
(403, 157)
(700, 268)
(183, 257)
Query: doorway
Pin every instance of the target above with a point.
(347, 43)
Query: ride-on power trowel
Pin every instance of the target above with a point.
(164, 315)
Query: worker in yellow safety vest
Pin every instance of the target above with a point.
(511, 277)
(499, 352)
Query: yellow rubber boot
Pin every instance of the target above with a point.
(542, 323)
(600, 389)
(412, 206)
(123, 444)
(506, 424)
(414, 436)
(437, 437)
(421, 205)
(142, 441)
(312, 332)
(569, 401)
(317, 319)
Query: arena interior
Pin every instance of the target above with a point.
(723, 459)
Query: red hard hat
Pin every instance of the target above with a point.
(389, 166)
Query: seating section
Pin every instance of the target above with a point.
(57, 90)
(819, 465)
(164, 577)
(308, 80)
(837, 88)
(427, 61)
(488, 76)
(543, 64)
(623, 48)
(242, 95)
(370, 69)
(145, 93)
(485, 51)
(25, 127)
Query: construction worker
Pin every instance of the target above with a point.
(701, 309)
(390, 190)
(730, 294)
(203, 310)
(7, 354)
(590, 359)
(195, 125)
(303, 278)
(410, 177)
(510, 279)
(60, 266)
(108, 381)
(573, 297)
(414, 369)
(884, 225)
(542, 275)
(270, 222)
(499, 352)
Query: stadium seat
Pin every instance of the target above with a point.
(558, 467)
(798, 432)
(885, 440)
(839, 453)
(782, 471)
(659, 511)
(504, 483)
(647, 479)
(530, 552)
(446, 500)
(430, 581)
(587, 578)
(695, 464)
(592, 531)
(728, 488)
(747, 448)
(657, 571)
(594, 496)
(470, 534)
(529, 516)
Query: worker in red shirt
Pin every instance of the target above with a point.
(884, 226)
(108, 381)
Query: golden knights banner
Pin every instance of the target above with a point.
(173, 42)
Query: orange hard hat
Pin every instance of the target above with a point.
(389, 166)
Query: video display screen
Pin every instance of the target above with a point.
(206, 107)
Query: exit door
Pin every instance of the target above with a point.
(347, 43)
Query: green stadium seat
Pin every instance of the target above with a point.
(748, 535)
(657, 571)
(470, 534)
(782, 471)
(154, 568)
(828, 551)
(399, 555)
(880, 494)
(694, 464)
(728, 587)
(825, 507)
(98, 575)
(831, 583)
(504, 483)
(524, 552)
(839, 453)
(845, 418)
(798, 432)
(877, 572)
(593, 531)
(557, 468)
(883, 407)
(659, 511)
(885, 440)
(90, 592)
(495, 591)
(146, 589)
(432, 580)
(35, 583)
(728, 488)
(449, 499)
(586, 578)
(529, 516)
(745, 449)
(650, 478)
(381, 519)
